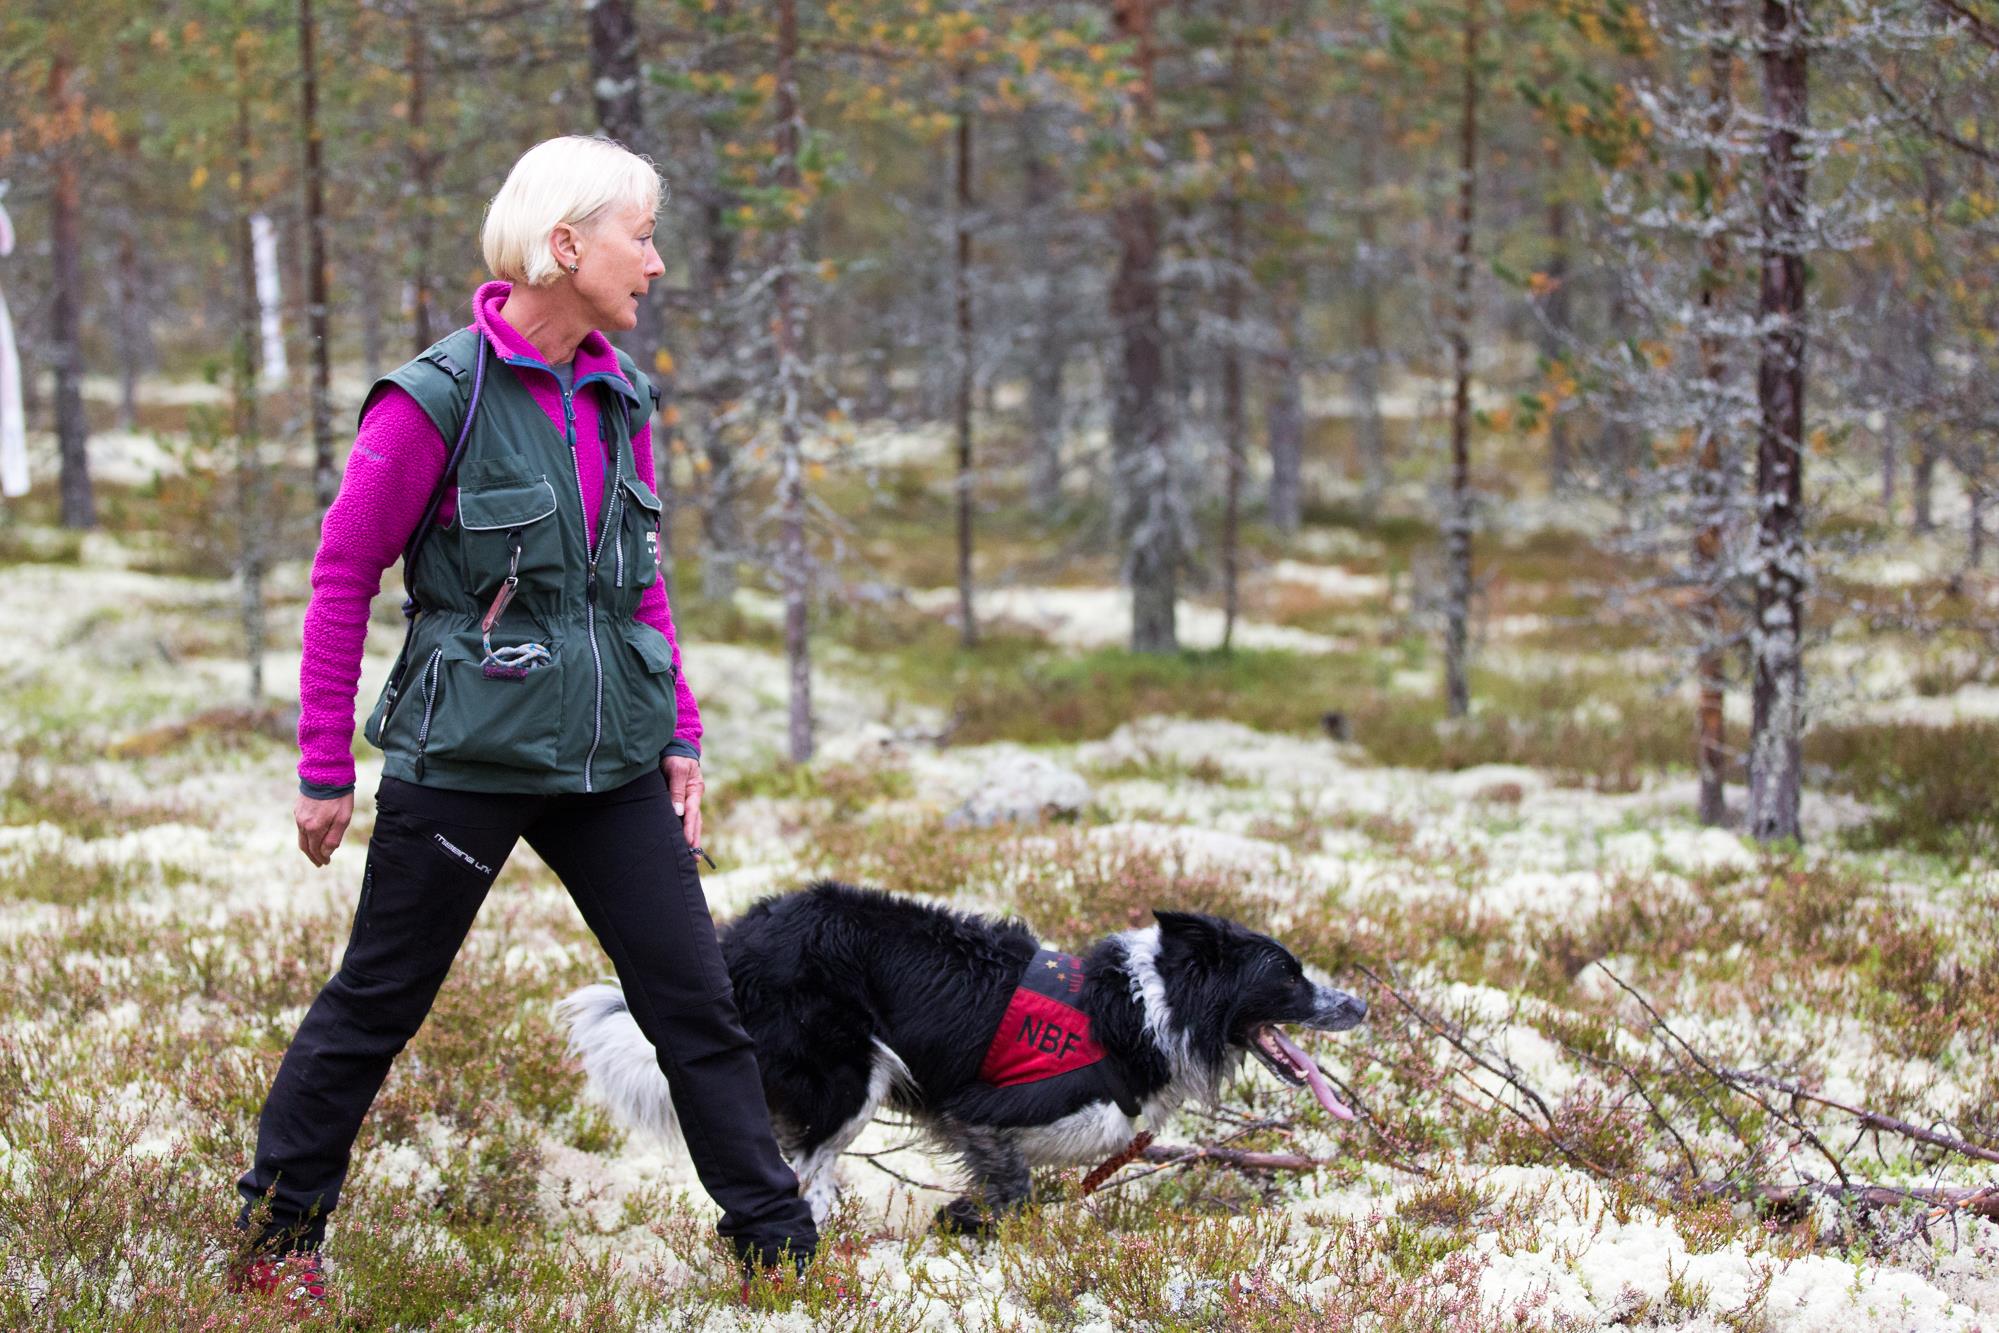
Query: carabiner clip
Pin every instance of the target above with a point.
(506, 592)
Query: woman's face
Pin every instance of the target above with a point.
(615, 264)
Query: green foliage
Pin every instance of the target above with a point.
(1936, 787)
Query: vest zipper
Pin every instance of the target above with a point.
(429, 703)
(590, 589)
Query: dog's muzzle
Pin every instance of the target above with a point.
(1337, 1011)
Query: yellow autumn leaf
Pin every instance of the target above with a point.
(670, 414)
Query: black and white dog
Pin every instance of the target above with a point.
(1009, 1055)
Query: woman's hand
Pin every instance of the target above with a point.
(321, 825)
(684, 786)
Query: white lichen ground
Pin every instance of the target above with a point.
(98, 655)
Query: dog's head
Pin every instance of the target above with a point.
(1249, 987)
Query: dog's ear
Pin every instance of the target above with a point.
(1200, 934)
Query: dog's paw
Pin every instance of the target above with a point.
(965, 1216)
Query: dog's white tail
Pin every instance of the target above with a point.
(622, 1066)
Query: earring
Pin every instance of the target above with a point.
(572, 268)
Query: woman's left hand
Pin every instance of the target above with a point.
(684, 786)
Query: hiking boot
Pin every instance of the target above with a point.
(298, 1279)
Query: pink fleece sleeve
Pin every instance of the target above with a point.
(654, 611)
(397, 460)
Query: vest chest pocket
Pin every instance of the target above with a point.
(492, 517)
(638, 541)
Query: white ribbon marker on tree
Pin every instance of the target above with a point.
(264, 250)
(13, 415)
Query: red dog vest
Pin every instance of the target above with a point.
(1042, 1035)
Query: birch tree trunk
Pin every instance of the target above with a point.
(249, 468)
(79, 505)
(324, 480)
(1782, 567)
(794, 569)
(1458, 522)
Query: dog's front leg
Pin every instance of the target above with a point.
(998, 1179)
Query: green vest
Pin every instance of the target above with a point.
(596, 711)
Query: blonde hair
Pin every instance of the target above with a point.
(571, 179)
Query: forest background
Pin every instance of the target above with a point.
(1485, 423)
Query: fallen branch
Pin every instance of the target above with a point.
(1945, 1203)
(1871, 1119)
(1186, 1154)
(1504, 1070)
(873, 1159)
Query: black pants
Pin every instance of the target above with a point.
(624, 858)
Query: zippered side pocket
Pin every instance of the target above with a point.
(429, 680)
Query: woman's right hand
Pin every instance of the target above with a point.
(321, 825)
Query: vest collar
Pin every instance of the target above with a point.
(596, 360)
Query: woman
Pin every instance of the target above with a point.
(538, 696)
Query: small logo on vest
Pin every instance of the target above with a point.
(652, 546)
(463, 855)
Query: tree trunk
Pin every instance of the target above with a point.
(1617, 442)
(423, 171)
(325, 481)
(1922, 484)
(1975, 501)
(1148, 525)
(1050, 346)
(1458, 523)
(1236, 263)
(79, 505)
(1370, 433)
(1923, 468)
(1284, 414)
(1782, 567)
(134, 349)
(368, 297)
(131, 323)
(249, 468)
(1711, 488)
(1555, 311)
(617, 82)
(796, 573)
(968, 626)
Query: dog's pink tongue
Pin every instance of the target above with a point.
(1313, 1078)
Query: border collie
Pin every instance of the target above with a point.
(1007, 1054)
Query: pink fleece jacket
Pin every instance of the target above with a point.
(397, 460)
